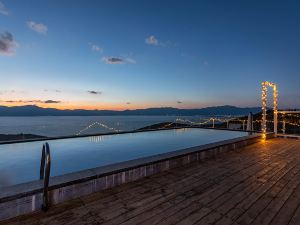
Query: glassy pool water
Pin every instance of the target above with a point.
(21, 162)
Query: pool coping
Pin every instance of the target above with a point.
(27, 197)
(16, 191)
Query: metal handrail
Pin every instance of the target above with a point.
(45, 174)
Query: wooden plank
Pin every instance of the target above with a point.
(288, 210)
(295, 220)
(257, 184)
(236, 211)
(106, 215)
(218, 203)
(168, 187)
(261, 204)
(240, 208)
(151, 213)
(277, 202)
(164, 201)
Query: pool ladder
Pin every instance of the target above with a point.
(45, 174)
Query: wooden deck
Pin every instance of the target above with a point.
(259, 184)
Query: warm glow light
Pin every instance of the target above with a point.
(265, 86)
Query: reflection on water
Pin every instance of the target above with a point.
(52, 126)
(97, 139)
(21, 162)
(98, 124)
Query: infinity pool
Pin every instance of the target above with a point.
(20, 162)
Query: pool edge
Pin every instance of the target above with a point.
(26, 198)
(114, 133)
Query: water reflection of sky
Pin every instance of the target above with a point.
(20, 162)
(52, 126)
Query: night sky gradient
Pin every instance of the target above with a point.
(137, 54)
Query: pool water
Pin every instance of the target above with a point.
(20, 162)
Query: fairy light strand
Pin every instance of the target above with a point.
(265, 86)
(203, 122)
(97, 124)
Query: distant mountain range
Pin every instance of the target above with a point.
(32, 110)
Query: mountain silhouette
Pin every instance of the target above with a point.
(33, 110)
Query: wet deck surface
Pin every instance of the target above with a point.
(259, 184)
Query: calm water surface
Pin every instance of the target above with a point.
(52, 126)
(20, 162)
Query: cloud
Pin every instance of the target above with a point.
(151, 40)
(11, 101)
(130, 60)
(128, 103)
(32, 101)
(179, 102)
(118, 60)
(205, 62)
(113, 60)
(7, 91)
(37, 27)
(55, 90)
(51, 102)
(96, 48)
(3, 9)
(95, 92)
(7, 44)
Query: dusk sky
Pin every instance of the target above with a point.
(139, 54)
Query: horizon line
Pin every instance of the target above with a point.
(120, 110)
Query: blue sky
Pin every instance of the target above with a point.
(138, 54)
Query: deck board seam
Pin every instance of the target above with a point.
(242, 200)
(246, 197)
(266, 191)
(235, 173)
(285, 203)
(298, 172)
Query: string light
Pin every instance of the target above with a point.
(266, 84)
(210, 120)
(204, 122)
(293, 124)
(98, 124)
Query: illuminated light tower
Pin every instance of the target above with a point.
(265, 86)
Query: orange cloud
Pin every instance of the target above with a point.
(91, 105)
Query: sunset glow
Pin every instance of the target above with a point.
(102, 106)
(105, 55)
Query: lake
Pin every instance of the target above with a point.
(52, 126)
